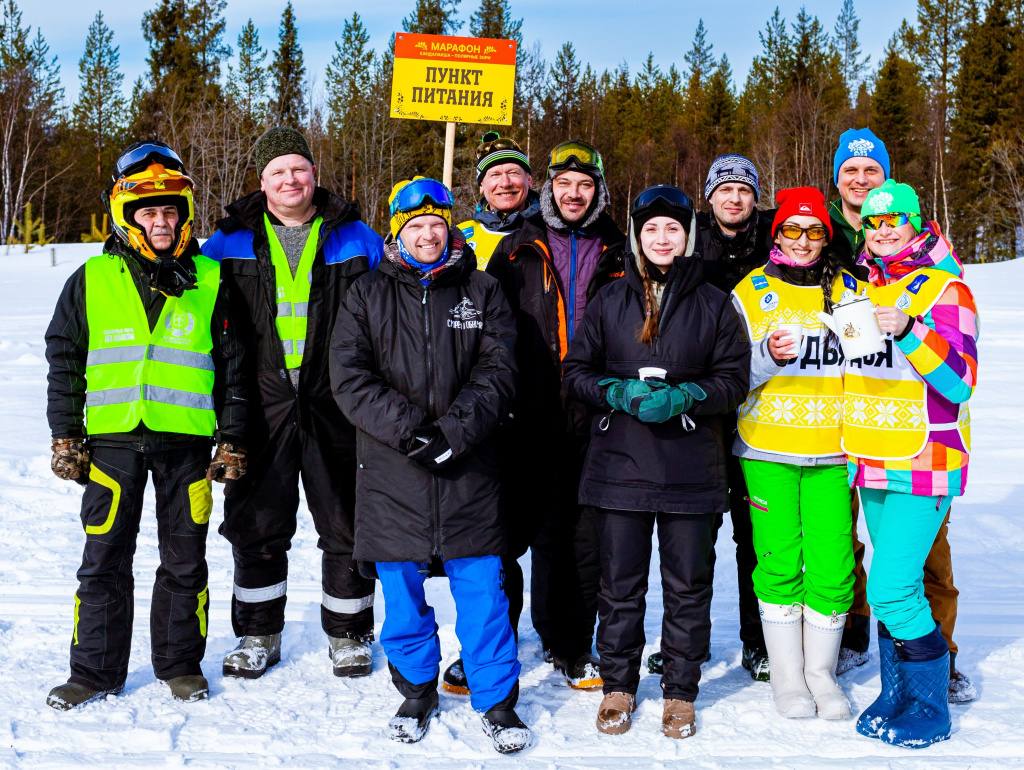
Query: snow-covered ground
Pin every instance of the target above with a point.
(299, 715)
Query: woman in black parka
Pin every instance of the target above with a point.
(422, 364)
(669, 352)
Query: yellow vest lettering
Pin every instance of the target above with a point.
(798, 411)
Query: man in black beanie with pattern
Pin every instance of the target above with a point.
(290, 251)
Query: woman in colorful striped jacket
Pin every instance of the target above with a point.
(906, 430)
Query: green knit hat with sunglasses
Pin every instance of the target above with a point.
(893, 203)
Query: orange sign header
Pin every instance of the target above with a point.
(468, 50)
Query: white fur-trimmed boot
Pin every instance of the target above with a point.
(823, 636)
(783, 636)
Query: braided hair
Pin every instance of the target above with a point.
(650, 328)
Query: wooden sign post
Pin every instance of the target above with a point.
(454, 80)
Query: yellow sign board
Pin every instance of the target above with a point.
(453, 79)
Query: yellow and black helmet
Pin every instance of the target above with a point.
(149, 174)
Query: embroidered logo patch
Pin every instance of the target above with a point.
(805, 208)
(880, 203)
(849, 282)
(760, 282)
(861, 147)
(904, 301)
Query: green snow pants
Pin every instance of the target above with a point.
(801, 518)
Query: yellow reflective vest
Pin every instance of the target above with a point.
(798, 411)
(162, 378)
(293, 291)
(885, 409)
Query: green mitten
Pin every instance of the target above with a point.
(665, 403)
(614, 394)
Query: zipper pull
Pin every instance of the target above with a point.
(424, 295)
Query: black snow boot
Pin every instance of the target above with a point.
(755, 660)
(67, 696)
(454, 679)
(508, 732)
(411, 721)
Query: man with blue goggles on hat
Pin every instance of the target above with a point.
(422, 363)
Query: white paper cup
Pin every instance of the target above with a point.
(652, 373)
(793, 331)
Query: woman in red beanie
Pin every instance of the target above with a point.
(789, 447)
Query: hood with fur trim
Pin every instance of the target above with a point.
(553, 218)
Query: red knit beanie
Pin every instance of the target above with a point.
(801, 202)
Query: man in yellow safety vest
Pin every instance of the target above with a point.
(145, 374)
(290, 251)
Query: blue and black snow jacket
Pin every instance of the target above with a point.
(348, 248)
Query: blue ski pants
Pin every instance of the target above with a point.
(409, 636)
(902, 529)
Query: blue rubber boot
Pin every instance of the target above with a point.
(893, 698)
(924, 664)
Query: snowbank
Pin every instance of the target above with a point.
(299, 715)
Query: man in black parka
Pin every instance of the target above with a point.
(422, 364)
(289, 252)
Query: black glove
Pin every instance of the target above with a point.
(430, 448)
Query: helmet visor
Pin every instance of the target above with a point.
(140, 157)
(578, 151)
(412, 196)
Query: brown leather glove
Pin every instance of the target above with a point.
(70, 460)
(228, 463)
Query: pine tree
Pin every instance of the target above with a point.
(288, 107)
(247, 83)
(185, 48)
(719, 115)
(433, 17)
(701, 61)
(206, 24)
(494, 19)
(349, 81)
(100, 110)
(897, 111)
(937, 42)
(853, 63)
(30, 100)
(768, 78)
(983, 105)
(563, 97)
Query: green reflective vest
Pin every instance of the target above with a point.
(293, 293)
(163, 378)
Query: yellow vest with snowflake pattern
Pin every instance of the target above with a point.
(885, 410)
(798, 411)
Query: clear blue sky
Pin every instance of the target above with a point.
(604, 32)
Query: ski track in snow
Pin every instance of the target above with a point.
(299, 715)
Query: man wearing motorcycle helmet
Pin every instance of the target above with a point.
(145, 374)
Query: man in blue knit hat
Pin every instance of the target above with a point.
(861, 164)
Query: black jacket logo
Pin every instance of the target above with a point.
(465, 316)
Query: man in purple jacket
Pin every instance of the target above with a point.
(549, 269)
